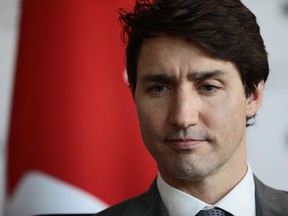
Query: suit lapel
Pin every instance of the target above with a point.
(150, 204)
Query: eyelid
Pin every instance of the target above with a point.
(151, 88)
(213, 86)
(213, 83)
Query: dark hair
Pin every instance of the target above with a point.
(225, 29)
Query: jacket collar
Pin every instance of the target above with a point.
(150, 203)
(268, 202)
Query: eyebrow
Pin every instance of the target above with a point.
(198, 75)
(158, 78)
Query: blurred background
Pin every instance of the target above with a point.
(9, 14)
(267, 140)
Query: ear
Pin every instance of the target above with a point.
(254, 101)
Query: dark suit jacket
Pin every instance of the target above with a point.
(269, 202)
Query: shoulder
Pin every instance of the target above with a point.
(117, 209)
(271, 199)
(121, 208)
(148, 203)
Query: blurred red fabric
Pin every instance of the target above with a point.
(73, 115)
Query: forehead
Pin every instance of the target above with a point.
(165, 46)
(174, 55)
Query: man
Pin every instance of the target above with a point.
(196, 71)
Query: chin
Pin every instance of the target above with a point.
(193, 171)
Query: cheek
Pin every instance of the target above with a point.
(150, 127)
(151, 113)
(148, 118)
(224, 112)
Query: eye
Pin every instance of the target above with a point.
(158, 89)
(208, 89)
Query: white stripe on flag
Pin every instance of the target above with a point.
(39, 193)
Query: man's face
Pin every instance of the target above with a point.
(192, 110)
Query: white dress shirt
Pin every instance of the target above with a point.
(240, 201)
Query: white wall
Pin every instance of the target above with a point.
(8, 34)
(267, 140)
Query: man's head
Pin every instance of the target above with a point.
(196, 70)
(225, 29)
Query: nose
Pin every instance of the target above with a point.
(184, 109)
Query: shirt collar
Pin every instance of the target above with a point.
(239, 201)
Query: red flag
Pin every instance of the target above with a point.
(73, 127)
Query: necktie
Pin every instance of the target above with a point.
(213, 212)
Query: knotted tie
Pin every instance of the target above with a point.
(213, 212)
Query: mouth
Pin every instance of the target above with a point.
(184, 144)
